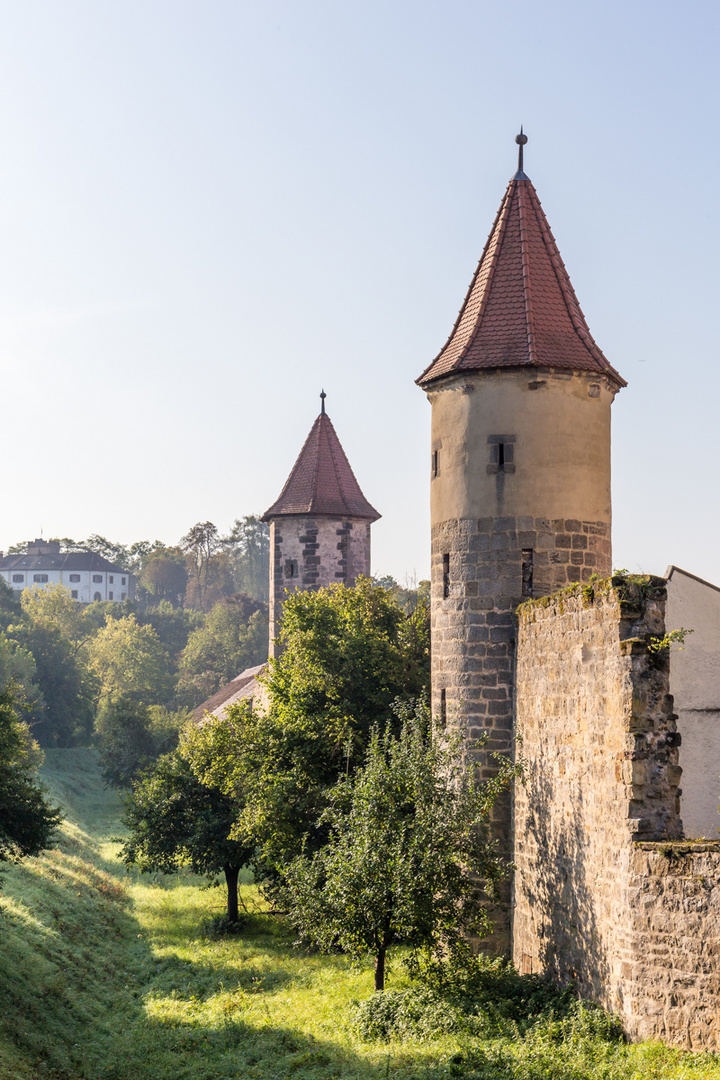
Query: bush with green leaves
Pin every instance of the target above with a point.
(408, 858)
(27, 820)
(131, 736)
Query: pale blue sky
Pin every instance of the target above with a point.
(210, 210)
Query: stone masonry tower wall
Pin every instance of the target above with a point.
(311, 552)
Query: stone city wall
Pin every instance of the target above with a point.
(632, 925)
(670, 944)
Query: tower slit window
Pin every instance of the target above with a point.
(446, 575)
(443, 708)
(527, 572)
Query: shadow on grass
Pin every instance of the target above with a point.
(85, 998)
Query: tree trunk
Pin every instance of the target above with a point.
(380, 968)
(231, 877)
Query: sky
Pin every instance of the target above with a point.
(212, 210)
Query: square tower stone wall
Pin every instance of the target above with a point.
(309, 552)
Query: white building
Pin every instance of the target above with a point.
(87, 575)
(694, 604)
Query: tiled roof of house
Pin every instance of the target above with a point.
(65, 560)
(321, 481)
(520, 309)
(242, 686)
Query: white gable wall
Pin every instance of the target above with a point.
(695, 685)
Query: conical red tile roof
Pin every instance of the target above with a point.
(520, 309)
(322, 481)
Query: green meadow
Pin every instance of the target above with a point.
(107, 975)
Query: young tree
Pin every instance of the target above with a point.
(27, 820)
(406, 852)
(348, 654)
(177, 821)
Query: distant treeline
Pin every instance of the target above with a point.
(199, 618)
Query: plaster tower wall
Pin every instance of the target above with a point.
(520, 507)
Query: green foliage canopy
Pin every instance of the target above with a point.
(128, 658)
(407, 846)
(233, 637)
(176, 820)
(349, 654)
(27, 820)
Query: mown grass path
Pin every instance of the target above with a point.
(107, 976)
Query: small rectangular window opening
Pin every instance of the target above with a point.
(291, 568)
(527, 572)
(446, 575)
(74, 594)
(443, 709)
(435, 462)
(502, 453)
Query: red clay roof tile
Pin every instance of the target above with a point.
(520, 309)
(321, 481)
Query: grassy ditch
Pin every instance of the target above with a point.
(111, 976)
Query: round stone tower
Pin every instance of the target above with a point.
(520, 465)
(320, 524)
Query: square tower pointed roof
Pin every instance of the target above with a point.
(521, 309)
(321, 481)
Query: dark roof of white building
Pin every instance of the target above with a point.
(64, 560)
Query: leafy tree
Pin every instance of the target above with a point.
(132, 736)
(406, 850)
(165, 577)
(175, 820)
(68, 688)
(9, 604)
(248, 548)
(53, 608)
(232, 638)
(172, 625)
(128, 658)
(407, 597)
(349, 654)
(17, 666)
(200, 544)
(27, 820)
(117, 554)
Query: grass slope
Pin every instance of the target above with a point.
(106, 976)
